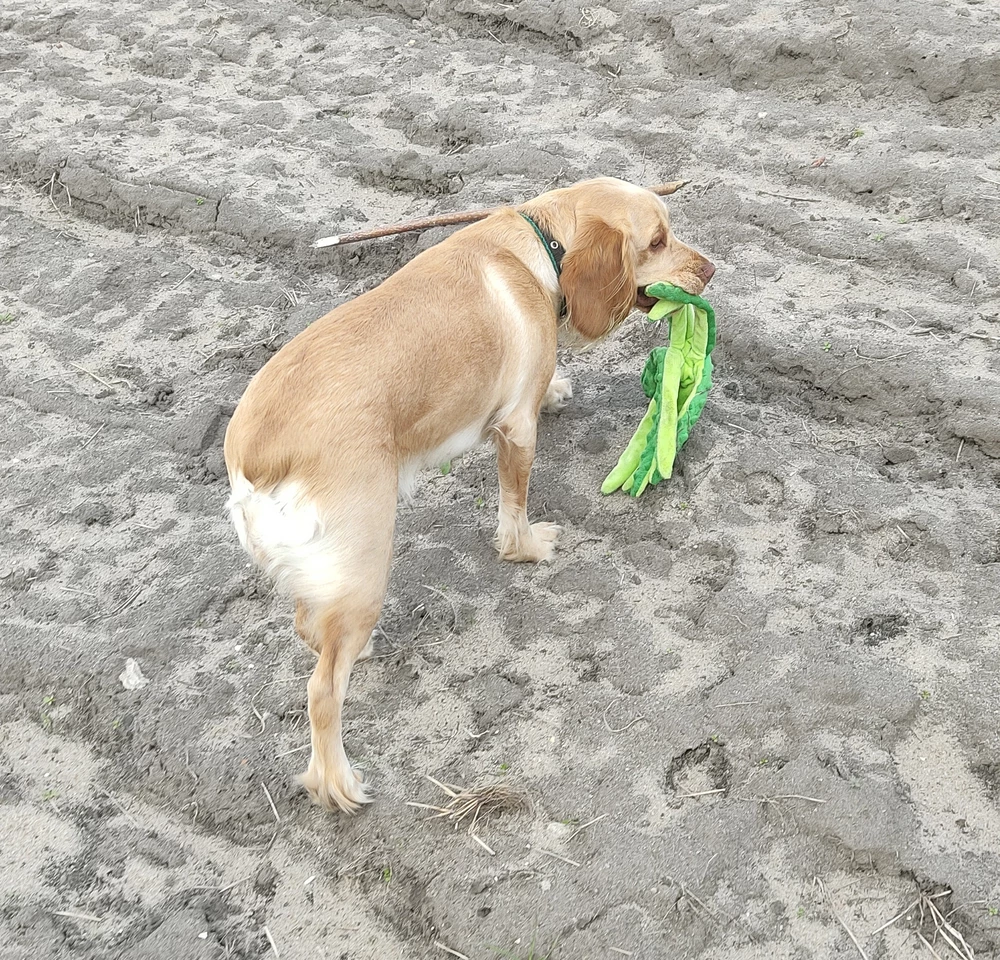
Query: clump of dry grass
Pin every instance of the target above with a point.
(938, 924)
(479, 803)
(944, 931)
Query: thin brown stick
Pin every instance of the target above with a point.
(631, 723)
(117, 803)
(274, 809)
(923, 940)
(899, 916)
(228, 886)
(483, 844)
(448, 220)
(448, 950)
(441, 811)
(583, 826)
(692, 896)
(945, 930)
(840, 919)
(559, 856)
(785, 196)
(86, 442)
(127, 602)
(100, 380)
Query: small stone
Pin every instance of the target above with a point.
(132, 677)
(968, 280)
(899, 454)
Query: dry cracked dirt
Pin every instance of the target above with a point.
(755, 712)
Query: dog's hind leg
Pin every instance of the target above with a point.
(303, 618)
(303, 615)
(340, 630)
(330, 779)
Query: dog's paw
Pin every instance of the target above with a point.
(559, 391)
(537, 546)
(336, 790)
(369, 649)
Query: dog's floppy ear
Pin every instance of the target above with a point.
(598, 279)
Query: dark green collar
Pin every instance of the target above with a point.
(553, 247)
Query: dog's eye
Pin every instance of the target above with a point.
(657, 243)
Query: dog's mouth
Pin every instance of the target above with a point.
(645, 303)
(642, 302)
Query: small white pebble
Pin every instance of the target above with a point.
(760, 116)
(559, 830)
(203, 936)
(215, 276)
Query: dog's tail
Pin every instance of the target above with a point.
(283, 531)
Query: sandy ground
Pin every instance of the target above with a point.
(756, 712)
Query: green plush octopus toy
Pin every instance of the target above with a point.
(676, 379)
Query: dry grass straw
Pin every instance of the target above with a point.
(943, 930)
(472, 804)
(930, 915)
(839, 918)
(449, 951)
(270, 940)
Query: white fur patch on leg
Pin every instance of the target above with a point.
(369, 650)
(336, 786)
(526, 543)
(559, 391)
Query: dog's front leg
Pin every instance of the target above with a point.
(559, 391)
(516, 539)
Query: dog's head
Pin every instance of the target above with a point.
(620, 241)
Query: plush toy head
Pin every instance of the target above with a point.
(677, 380)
